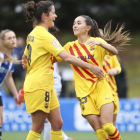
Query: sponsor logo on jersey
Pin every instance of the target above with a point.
(106, 98)
(55, 43)
(31, 38)
(86, 57)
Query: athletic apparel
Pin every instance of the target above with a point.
(41, 100)
(40, 49)
(33, 135)
(57, 80)
(84, 79)
(5, 67)
(109, 63)
(101, 134)
(92, 103)
(56, 135)
(112, 131)
(1, 103)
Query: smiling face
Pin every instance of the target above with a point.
(80, 27)
(10, 40)
(49, 18)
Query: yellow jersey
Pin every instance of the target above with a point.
(84, 79)
(109, 63)
(40, 49)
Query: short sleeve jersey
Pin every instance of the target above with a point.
(5, 68)
(109, 63)
(40, 49)
(84, 79)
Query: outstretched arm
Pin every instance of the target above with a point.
(79, 63)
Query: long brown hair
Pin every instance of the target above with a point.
(117, 38)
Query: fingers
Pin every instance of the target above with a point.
(100, 74)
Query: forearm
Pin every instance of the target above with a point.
(11, 85)
(77, 62)
(109, 48)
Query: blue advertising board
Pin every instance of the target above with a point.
(16, 118)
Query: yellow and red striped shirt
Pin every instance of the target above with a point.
(84, 79)
(109, 63)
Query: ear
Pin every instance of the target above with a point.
(88, 27)
(44, 15)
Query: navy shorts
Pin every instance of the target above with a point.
(1, 103)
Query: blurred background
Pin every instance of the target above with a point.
(12, 16)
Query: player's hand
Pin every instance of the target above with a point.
(92, 43)
(112, 71)
(18, 102)
(24, 62)
(98, 71)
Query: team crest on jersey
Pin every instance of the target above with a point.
(83, 108)
(55, 43)
(107, 56)
(46, 105)
(92, 48)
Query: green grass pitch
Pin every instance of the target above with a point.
(76, 135)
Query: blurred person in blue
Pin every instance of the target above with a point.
(19, 72)
(8, 43)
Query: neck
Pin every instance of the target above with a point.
(43, 25)
(82, 39)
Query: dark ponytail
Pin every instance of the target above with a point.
(34, 10)
(30, 8)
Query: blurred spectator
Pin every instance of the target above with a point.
(121, 82)
(19, 72)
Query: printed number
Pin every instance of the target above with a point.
(29, 54)
(83, 100)
(47, 97)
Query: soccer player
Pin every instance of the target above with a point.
(7, 43)
(57, 87)
(94, 94)
(112, 67)
(40, 97)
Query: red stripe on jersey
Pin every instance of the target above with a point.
(108, 81)
(110, 75)
(89, 54)
(77, 70)
(52, 68)
(80, 55)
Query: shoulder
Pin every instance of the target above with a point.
(70, 44)
(98, 39)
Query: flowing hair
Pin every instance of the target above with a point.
(118, 37)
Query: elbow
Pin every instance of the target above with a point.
(116, 52)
